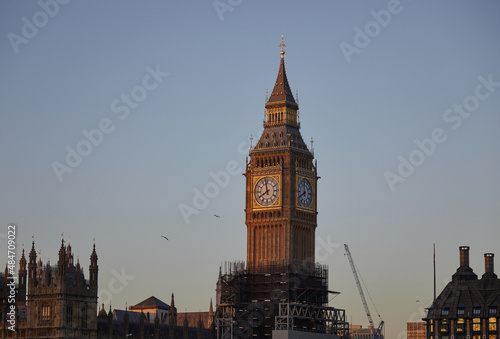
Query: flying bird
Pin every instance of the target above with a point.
(164, 237)
(217, 216)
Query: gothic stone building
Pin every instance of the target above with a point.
(55, 301)
(468, 307)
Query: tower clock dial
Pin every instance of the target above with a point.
(304, 192)
(266, 191)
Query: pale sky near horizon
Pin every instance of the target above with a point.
(177, 89)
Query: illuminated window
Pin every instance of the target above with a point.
(444, 325)
(476, 325)
(492, 336)
(45, 312)
(460, 325)
(492, 324)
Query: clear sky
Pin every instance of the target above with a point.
(114, 115)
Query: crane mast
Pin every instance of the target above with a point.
(355, 272)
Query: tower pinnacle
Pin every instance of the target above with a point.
(282, 44)
(282, 94)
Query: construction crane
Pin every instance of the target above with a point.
(378, 332)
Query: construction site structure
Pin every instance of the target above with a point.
(279, 297)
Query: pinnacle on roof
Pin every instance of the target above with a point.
(281, 94)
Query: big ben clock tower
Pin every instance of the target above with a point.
(281, 288)
(280, 186)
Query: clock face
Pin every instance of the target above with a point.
(304, 192)
(266, 191)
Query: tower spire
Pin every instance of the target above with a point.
(282, 94)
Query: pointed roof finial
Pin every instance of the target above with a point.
(282, 44)
(281, 92)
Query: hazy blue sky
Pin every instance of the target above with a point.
(369, 86)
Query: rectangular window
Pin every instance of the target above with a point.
(45, 312)
(477, 311)
(493, 310)
(84, 317)
(461, 311)
(444, 326)
(445, 311)
(69, 315)
(476, 325)
(492, 324)
(460, 325)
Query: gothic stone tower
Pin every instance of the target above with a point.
(280, 186)
(280, 213)
(61, 303)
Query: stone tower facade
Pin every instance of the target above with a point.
(280, 185)
(57, 301)
(280, 288)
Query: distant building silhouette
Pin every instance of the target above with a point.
(468, 307)
(58, 302)
(54, 301)
(358, 332)
(148, 319)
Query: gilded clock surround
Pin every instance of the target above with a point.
(313, 190)
(276, 204)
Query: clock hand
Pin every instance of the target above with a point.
(265, 183)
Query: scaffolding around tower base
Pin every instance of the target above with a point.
(276, 295)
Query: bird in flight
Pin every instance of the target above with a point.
(217, 216)
(164, 237)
